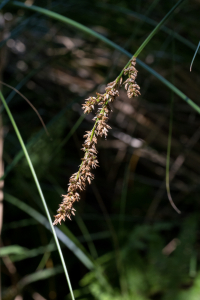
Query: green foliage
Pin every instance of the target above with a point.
(149, 271)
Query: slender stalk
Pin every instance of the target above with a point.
(39, 190)
(194, 56)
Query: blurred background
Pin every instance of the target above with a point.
(126, 241)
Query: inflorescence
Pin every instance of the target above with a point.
(78, 180)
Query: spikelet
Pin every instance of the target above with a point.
(133, 89)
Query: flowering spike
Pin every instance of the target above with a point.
(78, 180)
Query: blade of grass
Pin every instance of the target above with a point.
(193, 265)
(45, 257)
(23, 82)
(20, 253)
(194, 56)
(18, 224)
(113, 45)
(13, 249)
(39, 190)
(31, 105)
(10, 293)
(33, 252)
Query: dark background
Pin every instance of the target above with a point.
(142, 249)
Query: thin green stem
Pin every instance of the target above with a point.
(194, 56)
(39, 190)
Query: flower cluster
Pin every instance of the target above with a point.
(78, 180)
(133, 89)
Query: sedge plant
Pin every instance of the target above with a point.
(78, 180)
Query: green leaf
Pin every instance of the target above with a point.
(39, 190)
(13, 249)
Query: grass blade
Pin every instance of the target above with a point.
(36, 276)
(194, 56)
(39, 190)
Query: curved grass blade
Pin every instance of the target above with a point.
(20, 253)
(36, 276)
(23, 82)
(39, 190)
(31, 105)
(33, 252)
(113, 45)
(13, 249)
(18, 224)
(194, 56)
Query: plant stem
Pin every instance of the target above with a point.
(39, 190)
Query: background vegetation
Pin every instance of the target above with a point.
(126, 241)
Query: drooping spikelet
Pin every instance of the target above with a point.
(133, 89)
(78, 180)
